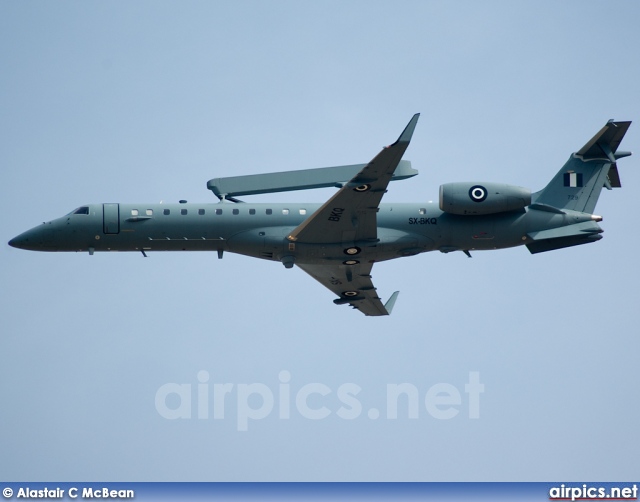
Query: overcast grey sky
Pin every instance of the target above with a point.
(146, 101)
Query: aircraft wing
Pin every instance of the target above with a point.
(353, 285)
(350, 215)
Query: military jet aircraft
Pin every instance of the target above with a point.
(338, 242)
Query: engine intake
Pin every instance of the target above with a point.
(465, 198)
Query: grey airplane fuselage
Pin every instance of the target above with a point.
(338, 242)
(261, 230)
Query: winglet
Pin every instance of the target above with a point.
(406, 135)
(391, 301)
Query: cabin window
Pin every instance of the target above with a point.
(252, 211)
(303, 211)
(200, 212)
(134, 212)
(285, 211)
(149, 212)
(183, 211)
(82, 210)
(218, 211)
(236, 211)
(422, 210)
(268, 211)
(166, 212)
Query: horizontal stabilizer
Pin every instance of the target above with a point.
(287, 181)
(578, 184)
(613, 177)
(605, 143)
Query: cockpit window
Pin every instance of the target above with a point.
(81, 210)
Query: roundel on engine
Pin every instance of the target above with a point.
(478, 193)
(482, 198)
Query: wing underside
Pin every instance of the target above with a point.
(353, 285)
(350, 215)
(349, 219)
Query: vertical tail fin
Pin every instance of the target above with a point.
(578, 184)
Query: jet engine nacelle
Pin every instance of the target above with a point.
(465, 198)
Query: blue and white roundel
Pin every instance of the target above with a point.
(478, 193)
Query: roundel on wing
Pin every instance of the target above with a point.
(477, 193)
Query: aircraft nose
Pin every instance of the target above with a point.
(18, 242)
(33, 240)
